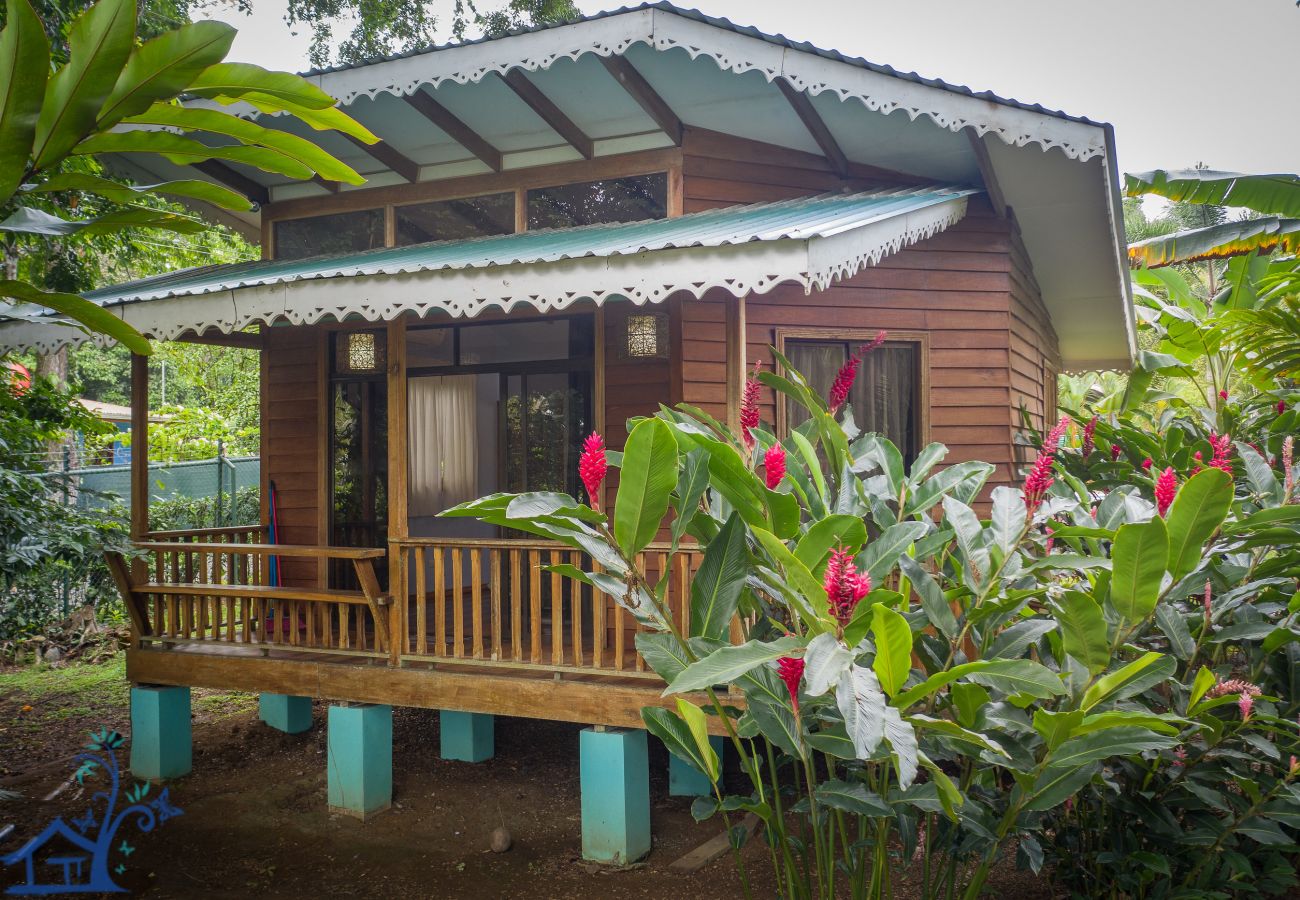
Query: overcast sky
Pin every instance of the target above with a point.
(1182, 81)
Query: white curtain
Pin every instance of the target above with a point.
(442, 443)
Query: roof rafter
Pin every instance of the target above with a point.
(551, 114)
(803, 108)
(461, 133)
(640, 90)
(991, 185)
(389, 156)
(236, 181)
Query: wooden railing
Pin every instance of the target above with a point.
(493, 602)
(225, 534)
(214, 592)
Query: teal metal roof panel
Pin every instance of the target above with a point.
(799, 219)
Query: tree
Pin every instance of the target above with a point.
(52, 127)
(385, 27)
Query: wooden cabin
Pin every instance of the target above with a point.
(563, 228)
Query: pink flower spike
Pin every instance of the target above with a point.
(749, 408)
(1288, 461)
(1040, 476)
(1205, 601)
(844, 586)
(1233, 686)
(1281, 407)
(874, 343)
(843, 383)
(1245, 703)
(1115, 451)
(1166, 489)
(1089, 435)
(1146, 464)
(1223, 395)
(773, 466)
(1222, 446)
(790, 670)
(592, 467)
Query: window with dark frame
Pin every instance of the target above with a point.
(455, 220)
(347, 232)
(886, 396)
(632, 199)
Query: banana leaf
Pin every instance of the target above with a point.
(1269, 194)
(1218, 242)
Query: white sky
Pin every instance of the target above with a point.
(1182, 81)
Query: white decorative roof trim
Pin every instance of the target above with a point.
(731, 51)
(652, 276)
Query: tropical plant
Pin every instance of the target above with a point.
(913, 677)
(115, 95)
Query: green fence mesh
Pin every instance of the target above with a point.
(221, 478)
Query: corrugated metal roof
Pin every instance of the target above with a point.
(807, 217)
(696, 15)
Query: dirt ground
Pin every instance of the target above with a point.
(255, 821)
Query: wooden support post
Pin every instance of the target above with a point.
(736, 360)
(139, 446)
(398, 523)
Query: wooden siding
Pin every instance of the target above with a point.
(293, 455)
(1035, 355)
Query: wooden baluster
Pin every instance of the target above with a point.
(421, 603)
(173, 562)
(598, 602)
(516, 607)
(575, 608)
(684, 592)
(231, 602)
(159, 626)
(534, 606)
(495, 587)
(187, 600)
(458, 601)
(618, 636)
(439, 603)
(557, 612)
(476, 590)
(201, 603)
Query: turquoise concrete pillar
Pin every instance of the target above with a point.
(615, 795)
(360, 759)
(292, 715)
(466, 736)
(684, 780)
(161, 745)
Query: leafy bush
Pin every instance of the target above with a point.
(1040, 679)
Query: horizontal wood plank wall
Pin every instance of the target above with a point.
(959, 287)
(1035, 355)
(291, 439)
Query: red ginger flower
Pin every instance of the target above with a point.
(874, 343)
(1196, 468)
(592, 467)
(1089, 433)
(774, 466)
(1245, 703)
(1222, 446)
(1223, 395)
(1281, 407)
(844, 586)
(1166, 488)
(1115, 451)
(790, 670)
(1040, 476)
(749, 408)
(843, 383)
(1146, 464)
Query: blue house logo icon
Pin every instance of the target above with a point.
(77, 858)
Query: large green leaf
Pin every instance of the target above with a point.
(826, 534)
(1083, 630)
(893, 639)
(863, 705)
(1138, 559)
(717, 585)
(163, 68)
(218, 122)
(1197, 512)
(232, 81)
(729, 663)
(1265, 235)
(1095, 746)
(98, 47)
(799, 579)
(1110, 684)
(1054, 786)
(79, 309)
(645, 484)
(853, 798)
(194, 189)
(24, 67)
(1277, 194)
(881, 554)
(678, 736)
(331, 118)
(34, 221)
(185, 151)
(1019, 676)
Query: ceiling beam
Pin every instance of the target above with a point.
(551, 114)
(218, 171)
(803, 108)
(461, 133)
(991, 185)
(331, 186)
(386, 154)
(640, 90)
